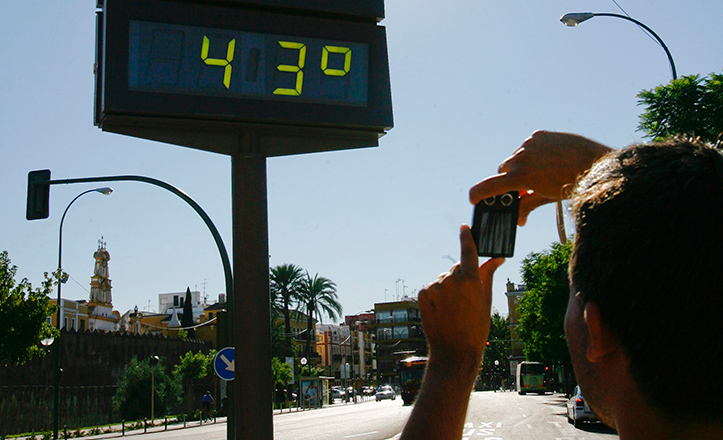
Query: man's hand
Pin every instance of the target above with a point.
(456, 319)
(543, 170)
(456, 307)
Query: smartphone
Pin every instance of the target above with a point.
(494, 225)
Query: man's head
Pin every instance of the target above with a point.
(649, 254)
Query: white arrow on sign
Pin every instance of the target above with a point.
(229, 365)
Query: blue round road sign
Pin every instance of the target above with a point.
(224, 364)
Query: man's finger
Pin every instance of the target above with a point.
(488, 269)
(529, 202)
(507, 164)
(492, 186)
(470, 260)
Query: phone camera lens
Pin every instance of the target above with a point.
(506, 199)
(490, 201)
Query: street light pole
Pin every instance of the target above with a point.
(56, 398)
(574, 18)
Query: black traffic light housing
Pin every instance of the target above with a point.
(38, 206)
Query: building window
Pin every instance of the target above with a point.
(65, 322)
(72, 324)
(384, 316)
(49, 320)
(400, 315)
(384, 333)
(401, 332)
(82, 325)
(175, 300)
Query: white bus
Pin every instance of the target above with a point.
(530, 378)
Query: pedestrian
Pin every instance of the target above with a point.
(644, 301)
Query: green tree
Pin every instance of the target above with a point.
(690, 105)
(542, 308)
(280, 371)
(318, 295)
(194, 365)
(285, 289)
(278, 340)
(133, 397)
(498, 347)
(23, 315)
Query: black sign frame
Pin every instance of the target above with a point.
(199, 121)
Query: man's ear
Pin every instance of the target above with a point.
(601, 341)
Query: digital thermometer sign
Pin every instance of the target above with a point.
(200, 74)
(211, 62)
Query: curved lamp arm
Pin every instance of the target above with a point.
(574, 18)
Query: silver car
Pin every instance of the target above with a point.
(578, 411)
(385, 392)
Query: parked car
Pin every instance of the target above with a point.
(385, 392)
(578, 411)
(368, 391)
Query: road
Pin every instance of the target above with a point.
(364, 421)
(509, 416)
(491, 416)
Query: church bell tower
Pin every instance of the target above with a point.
(100, 283)
(100, 307)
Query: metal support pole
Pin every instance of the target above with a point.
(252, 409)
(153, 414)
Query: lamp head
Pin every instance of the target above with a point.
(574, 18)
(47, 341)
(106, 190)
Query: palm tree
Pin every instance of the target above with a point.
(318, 295)
(285, 286)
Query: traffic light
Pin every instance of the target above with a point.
(38, 206)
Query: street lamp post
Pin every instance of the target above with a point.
(574, 18)
(56, 400)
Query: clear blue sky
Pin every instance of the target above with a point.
(470, 81)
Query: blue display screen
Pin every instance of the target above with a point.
(169, 58)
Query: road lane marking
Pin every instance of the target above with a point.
(484, 429)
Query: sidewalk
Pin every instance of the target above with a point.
(117, 430)
(159, 425)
